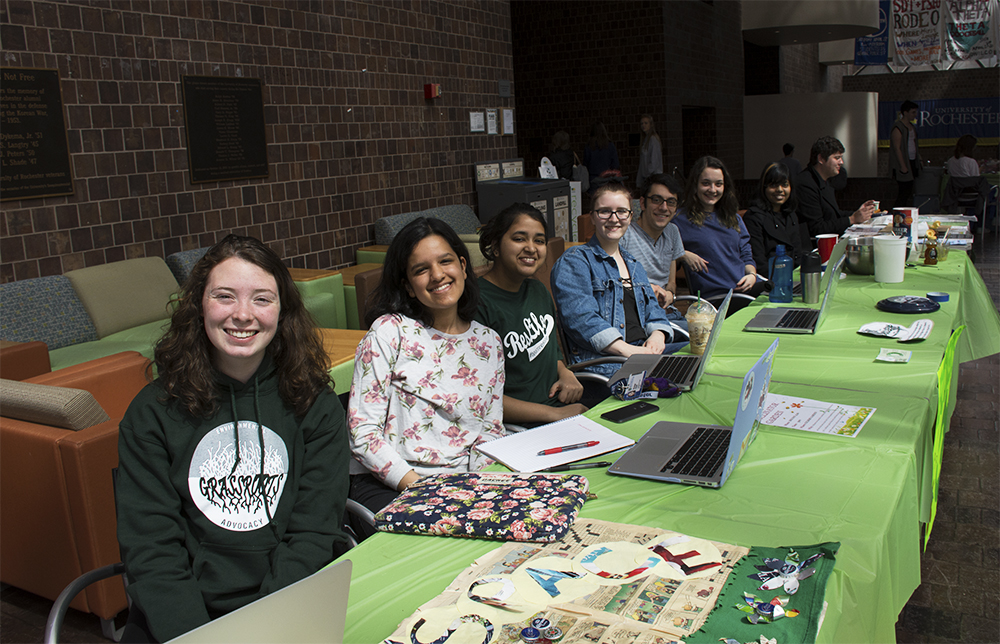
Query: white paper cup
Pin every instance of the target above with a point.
(890, 258)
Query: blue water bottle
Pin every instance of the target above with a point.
(780, 269)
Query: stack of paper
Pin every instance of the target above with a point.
(520, 452)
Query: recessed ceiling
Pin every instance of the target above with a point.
(801, 34)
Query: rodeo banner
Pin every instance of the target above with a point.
(927, 32)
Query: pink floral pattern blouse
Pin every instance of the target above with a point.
(422, 399)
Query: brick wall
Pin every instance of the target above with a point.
(350, 136)
(800, 69)
(577, 63)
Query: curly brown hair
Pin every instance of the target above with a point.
(183, 356)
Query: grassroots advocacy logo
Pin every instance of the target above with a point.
(235, 500)
(535, 337)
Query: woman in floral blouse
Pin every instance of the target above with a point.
(428, 380)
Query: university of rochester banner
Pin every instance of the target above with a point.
(940, 122)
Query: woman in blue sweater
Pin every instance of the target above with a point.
(716, 243)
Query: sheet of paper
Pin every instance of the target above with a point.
(520, 451)
(814, 415)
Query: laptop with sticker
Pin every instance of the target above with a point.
(701, 454)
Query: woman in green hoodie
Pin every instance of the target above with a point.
(233, 463)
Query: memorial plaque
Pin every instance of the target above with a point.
(225, 128)
(34, 151)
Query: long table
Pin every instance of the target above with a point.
(791, 488)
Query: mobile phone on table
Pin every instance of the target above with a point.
(630, 412)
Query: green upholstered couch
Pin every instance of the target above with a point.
(90, 312)
(122, 306)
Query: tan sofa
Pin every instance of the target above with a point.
(57, 509)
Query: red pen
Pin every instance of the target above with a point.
(566, 448)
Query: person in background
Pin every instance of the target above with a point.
(790, 162)
(600, 155)
(904, 153)
(606, 303)
(655, 241)
(771, 218)
(428, 379)
(562, 155)
(818, 210)
(962, 164)
(650, 151)
(538, 388)
(233, 463)
(716, 242)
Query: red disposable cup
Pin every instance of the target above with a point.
(826, 244)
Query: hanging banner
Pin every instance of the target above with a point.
(966, 30)
(874, 49)
(916, 36)
(941, 122)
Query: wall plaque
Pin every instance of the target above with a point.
(34, 151)
(224, 119)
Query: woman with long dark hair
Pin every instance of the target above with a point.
(539, 388)
(233, 463)
(716, 242)
(771, 218)
(428, 379)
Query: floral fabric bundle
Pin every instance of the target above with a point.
(488, 505)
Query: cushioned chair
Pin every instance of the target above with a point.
(44, 309)
(181, 263)
(966, 193)
(460, 217)
(57, 511)
(22, 360)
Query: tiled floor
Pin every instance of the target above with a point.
(959, 599)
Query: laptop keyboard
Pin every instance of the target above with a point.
(702, 453)
(798, 319)
(676, 369)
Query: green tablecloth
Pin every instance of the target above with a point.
(790, 488)
(870, 492)
(839, 358)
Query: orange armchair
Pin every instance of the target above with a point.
(57, 507)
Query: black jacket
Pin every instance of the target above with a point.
(768, 229)
(818, 210)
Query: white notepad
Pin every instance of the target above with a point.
(519, 451)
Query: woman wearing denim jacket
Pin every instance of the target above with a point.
(606, 304)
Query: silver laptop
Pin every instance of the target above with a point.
(313, 609)
(696, 454)
(683, 370)
(785, 319)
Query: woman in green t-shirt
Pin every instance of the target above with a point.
(539, 388)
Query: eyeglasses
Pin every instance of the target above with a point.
(657, 200)
(605, 213)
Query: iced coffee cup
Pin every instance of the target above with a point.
(700, 318)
